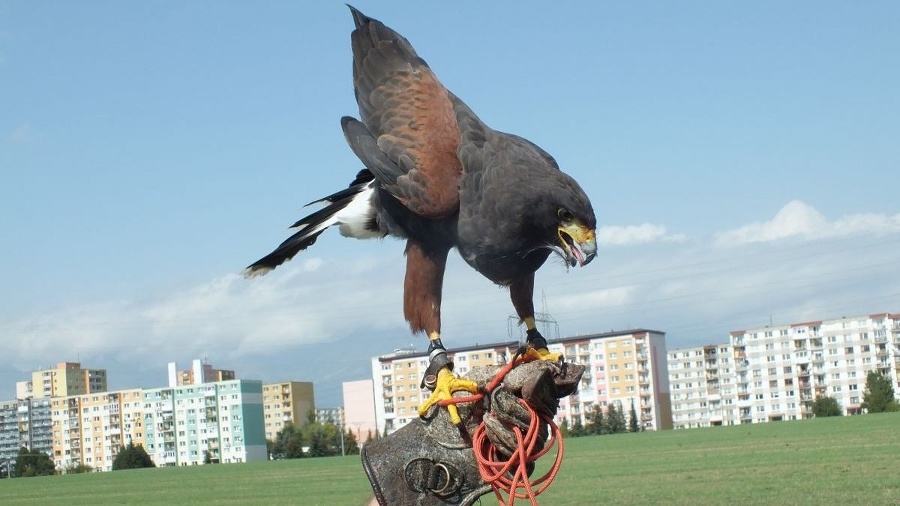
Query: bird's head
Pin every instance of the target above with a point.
(566, 212)
(577, 237)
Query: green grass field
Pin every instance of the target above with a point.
(826, 461)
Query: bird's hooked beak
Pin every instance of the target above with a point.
(578, 242)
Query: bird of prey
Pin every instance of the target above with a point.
(438, 177)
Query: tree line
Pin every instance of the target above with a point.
(314, 439)
(599, 423)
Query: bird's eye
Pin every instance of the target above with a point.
(564, 214)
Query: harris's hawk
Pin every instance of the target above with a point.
(438, 177)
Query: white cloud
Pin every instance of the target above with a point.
(615, 235)
(294, 306)
(21, 135)
(798, 219)
(312, 264)
(594, 299)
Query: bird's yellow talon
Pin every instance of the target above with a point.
(447, 383)
(542, 354)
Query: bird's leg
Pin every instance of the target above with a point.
(522, 292)
(440, 379)
(422, 308)
(437, 360)
(536, 344)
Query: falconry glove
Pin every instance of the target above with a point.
(430, 461)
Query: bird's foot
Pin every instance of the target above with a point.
(536, 348)
(532, 353)
(444, 386)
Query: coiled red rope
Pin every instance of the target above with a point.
(510, 475)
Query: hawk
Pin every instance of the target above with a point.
(440, 178)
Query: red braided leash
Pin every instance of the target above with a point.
(510, 475)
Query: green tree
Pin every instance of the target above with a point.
(209, 459)
(577, 429)
(826, 406)
(564, 429)
(318, 443)
(288, 443)
(615, 419)
(132, 457)
(78, 469)
(29, 463)
(351, 446)
(596, 423)
(632, 419)
(879, 394)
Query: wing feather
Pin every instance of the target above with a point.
(409, 116)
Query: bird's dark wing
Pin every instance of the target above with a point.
(409, 135)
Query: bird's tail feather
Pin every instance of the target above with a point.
(350, 208)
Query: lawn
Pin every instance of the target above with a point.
(825, 461)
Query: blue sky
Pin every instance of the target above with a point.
(742, 159)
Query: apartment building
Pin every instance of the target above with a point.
(200, 372)
(776, 372)
(211, 422)
(287, 402)
(703, 386)
(359, 408)
(330, 415)
(67, 378)
(621, 368)
(24, 422)
(89, 429)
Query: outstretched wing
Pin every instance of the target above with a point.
(408, 136)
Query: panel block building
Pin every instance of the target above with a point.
(211, 422)
(623, 368)
(776, 372)
(89, 429)
(200, 372)
(359, 409)
(67, 378)
(287, 402)
(24, 422)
